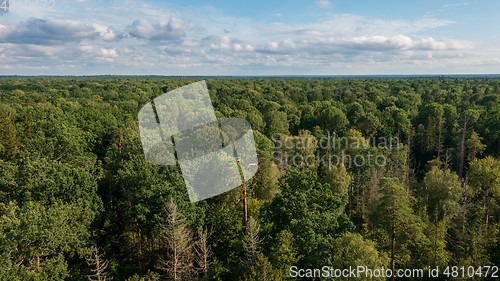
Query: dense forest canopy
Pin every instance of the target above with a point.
(78, 200)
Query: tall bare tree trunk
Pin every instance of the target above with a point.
(464, 210)
(393, 243)
(139, 254)
(486, 210)
(435, 236)
(245, 210)
(440, 138)
(461, 151)
(408, 163)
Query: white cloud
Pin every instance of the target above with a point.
(105, 33)
(54, 31)
(174, 29)
(323, 4)
(109, 53)
(272, 46)
(200, 41)
(99, 53)
(444, 44)
(456, 4)
(189, 43)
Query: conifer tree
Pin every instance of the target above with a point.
(177, 262)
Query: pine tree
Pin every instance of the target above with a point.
(203, 252)
(474, 146)
(177, 238)
(251, 243)
(394, 215)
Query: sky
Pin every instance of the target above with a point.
(215, 37)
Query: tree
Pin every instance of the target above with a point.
(276, 123)
(395, 216)
(352, 250)
(337, 177)
(443, 190)
(369, 124)
(255, 119)
(251, 243)
(150, 276)
(474, 146)
(8, 136)
(395, 122)
(333, 120)
(203, 251)
(8, 180)
(284, 252)
(295, 151)
(469, 117)
(177, 239)
(263, 271)
(98, 266)
(484, 177)
(312, 212)
(264, 185)
(37, 240)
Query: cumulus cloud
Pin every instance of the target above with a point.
(224, 43)
(174, 29)
(205, 41)
(30, 51)
(54, 31)
(100, 53)
(352, 47)
(444, 44)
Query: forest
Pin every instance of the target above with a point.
(79, 201)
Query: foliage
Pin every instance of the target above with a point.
(73, 176)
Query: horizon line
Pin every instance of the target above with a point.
(255, 76)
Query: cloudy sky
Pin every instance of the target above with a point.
(288, 37)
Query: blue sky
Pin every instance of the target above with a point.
(292, 37)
